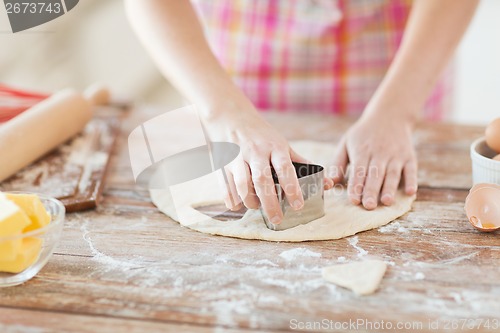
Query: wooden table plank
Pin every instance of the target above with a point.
(21, 320)
(442, 149)
(128, 265)
(182, 275)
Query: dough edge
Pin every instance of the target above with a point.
(347, 219)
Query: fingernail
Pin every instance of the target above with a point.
(410, 189)
(276, 220)
(297, 204)
(370, 203)
(236, 208)
(387, 199)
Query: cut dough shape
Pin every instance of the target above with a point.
(341, 219)
(362, 277)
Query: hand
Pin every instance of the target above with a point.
(249, 177)
(380, 152)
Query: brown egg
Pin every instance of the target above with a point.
(482, 207)
(497, 158)
(493, 135)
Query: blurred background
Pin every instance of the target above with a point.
(94, 42)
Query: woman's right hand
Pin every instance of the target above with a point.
(172, 33)
(249, 178)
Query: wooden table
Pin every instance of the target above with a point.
(126, 267)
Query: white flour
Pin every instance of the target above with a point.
(138, 274)
(393, 227)
(353, 241)
(293, 254)
(107, 261)
(235, 287)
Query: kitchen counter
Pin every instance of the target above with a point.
(126, 267)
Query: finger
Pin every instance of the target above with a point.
(373, 183)
(288, 179)
(245, 187)
(328, 183)
(224, 188)
(228, 187)
(411, 177)
(357, 179)
(265, 190)
(391, 183)
(339, 163)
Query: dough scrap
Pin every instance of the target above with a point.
(362, 277)
(341, 219)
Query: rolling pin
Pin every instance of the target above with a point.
(40, 129)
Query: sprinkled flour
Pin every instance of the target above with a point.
(353, 241)
(293, 254)
(393, 227)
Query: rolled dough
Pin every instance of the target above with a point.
(341, 218)
(362, 277)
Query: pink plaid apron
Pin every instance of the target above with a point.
(323, 56)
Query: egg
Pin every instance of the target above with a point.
(493, 135)
(482, 207)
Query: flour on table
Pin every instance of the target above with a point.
(341, 219)
(293, 254)
(362, 277)
(353, 241)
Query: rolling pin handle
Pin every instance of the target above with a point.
(97, 94)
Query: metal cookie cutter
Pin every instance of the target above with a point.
(310, 178)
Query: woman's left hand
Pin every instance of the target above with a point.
(380, 152)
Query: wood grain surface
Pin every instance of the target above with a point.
(74, 172)
(126, 267)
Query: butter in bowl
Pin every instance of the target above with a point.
(30, 228)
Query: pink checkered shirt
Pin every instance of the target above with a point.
(325, 56)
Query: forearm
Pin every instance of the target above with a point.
(172, 34)
(433, 31)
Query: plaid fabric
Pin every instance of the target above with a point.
(321, 56)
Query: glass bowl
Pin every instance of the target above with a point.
(48, 237)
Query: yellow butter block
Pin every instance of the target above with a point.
(33, 207)
(26, 256)
(9, 249)
(12, 219)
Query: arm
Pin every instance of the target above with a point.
(173, 36)
(379, 145)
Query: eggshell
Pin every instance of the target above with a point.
(493, 135)
(482, 207)
(482, 185)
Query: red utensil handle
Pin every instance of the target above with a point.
(6, 90)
